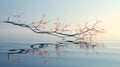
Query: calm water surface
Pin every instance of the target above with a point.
(58, 55)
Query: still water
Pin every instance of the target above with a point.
(59, 55)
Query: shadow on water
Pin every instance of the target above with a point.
(43, 50)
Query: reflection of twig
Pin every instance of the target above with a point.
(14, 59)
(40, 45)
(40, 49)
(13, 52)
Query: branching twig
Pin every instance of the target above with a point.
(59, 31)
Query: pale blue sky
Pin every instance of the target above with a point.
(62, 8)
(70, 11)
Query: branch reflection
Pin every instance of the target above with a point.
(43, 50)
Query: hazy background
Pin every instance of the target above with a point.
(70, 12)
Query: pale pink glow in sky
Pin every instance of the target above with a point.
(70, 12)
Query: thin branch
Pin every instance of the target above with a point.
(95, 23)
(34, 29)
(59, 30)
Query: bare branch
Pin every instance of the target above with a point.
(59, 30)
(95, 23)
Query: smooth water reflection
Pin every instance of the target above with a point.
(57, 54)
